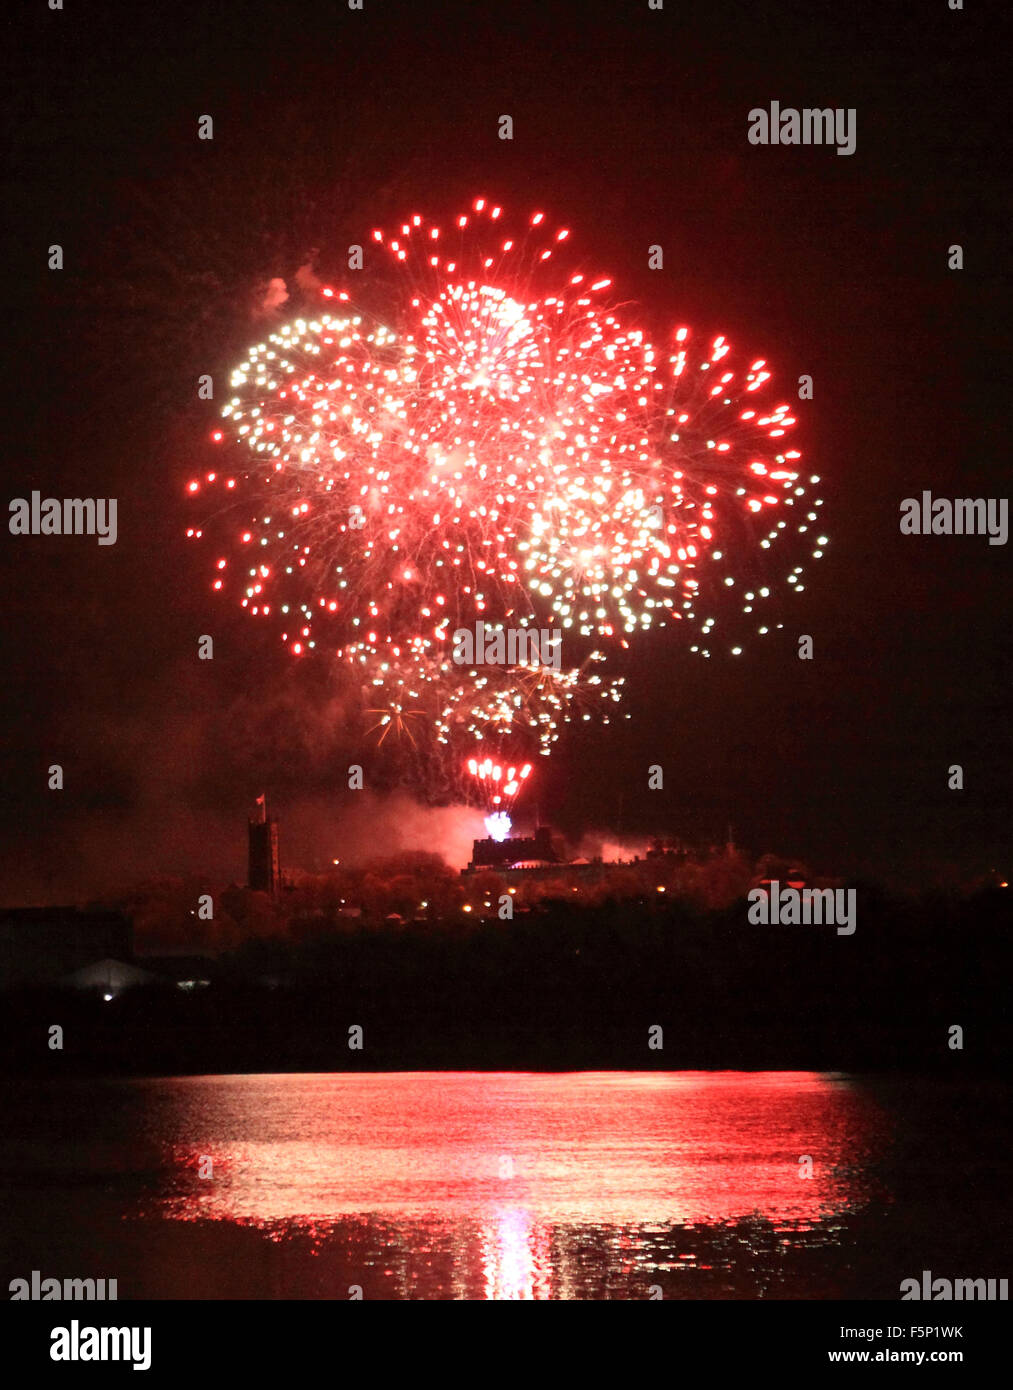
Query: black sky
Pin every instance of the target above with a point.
(630, 125)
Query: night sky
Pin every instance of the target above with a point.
(630, 126)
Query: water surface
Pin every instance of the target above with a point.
(477, 1185)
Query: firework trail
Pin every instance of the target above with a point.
(493, 444)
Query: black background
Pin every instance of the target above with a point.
(630, 125)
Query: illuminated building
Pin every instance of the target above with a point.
(536, 849)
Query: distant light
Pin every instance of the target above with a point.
(466, 907)
(660, 888)
(107, 997)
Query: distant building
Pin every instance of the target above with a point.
(512, 853)
(41, 945)
(264, 875)
(539, 860)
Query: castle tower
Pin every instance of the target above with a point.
(263, 872)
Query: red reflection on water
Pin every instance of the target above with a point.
(520, 1152)
(516, 1258)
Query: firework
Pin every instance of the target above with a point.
(494, 444)
(501, 785)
